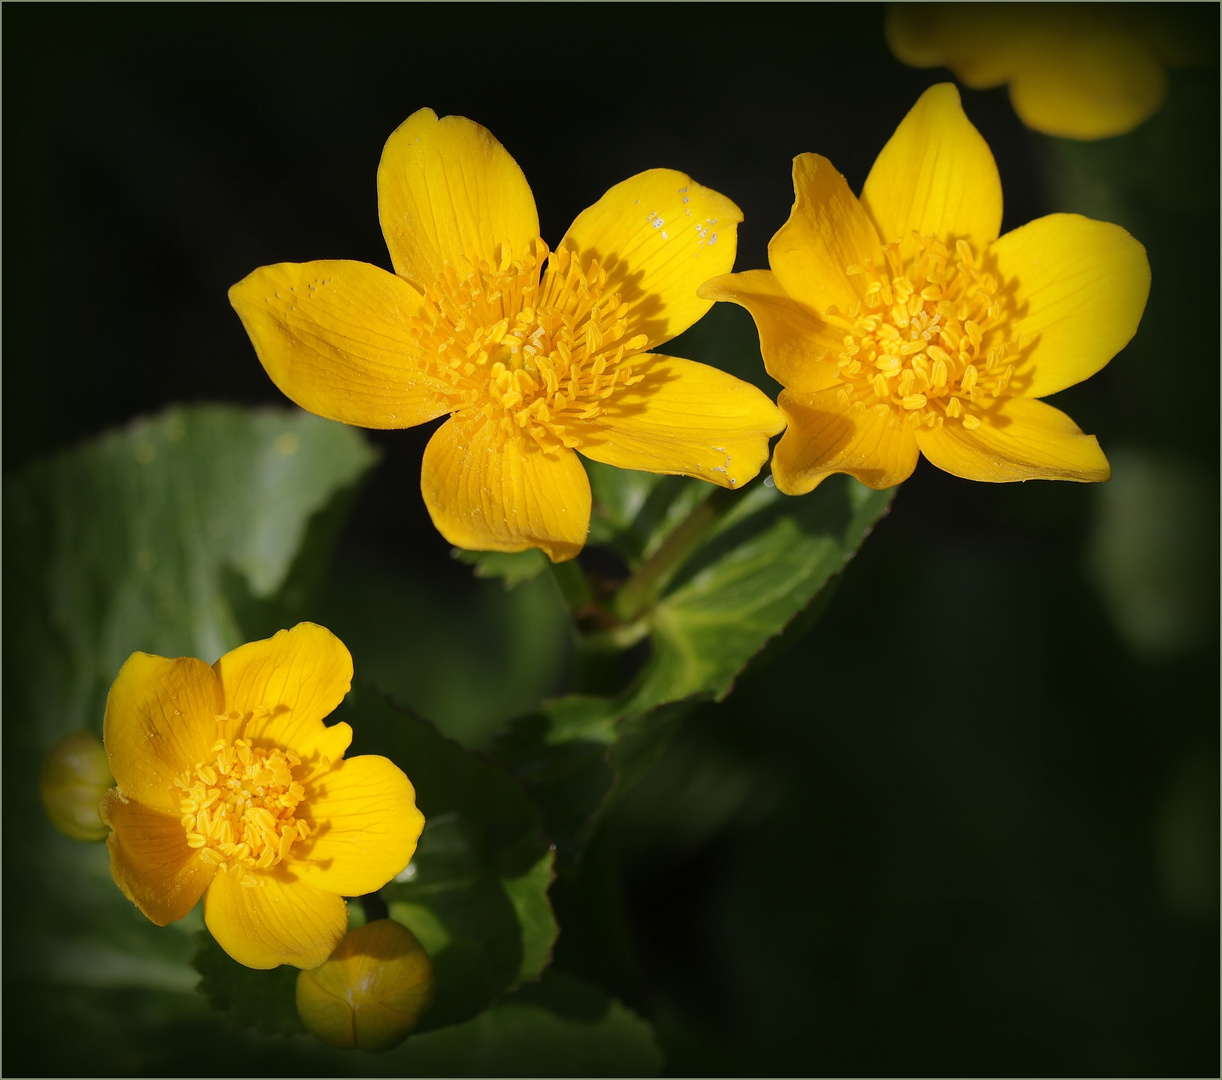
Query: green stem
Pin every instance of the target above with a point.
(375, 907)
(639, 592)
(574, 587)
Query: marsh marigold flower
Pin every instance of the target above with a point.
(900, 324)
(231, 787)
(533, 354)
(1081, 71)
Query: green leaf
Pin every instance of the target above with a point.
(512, 567)
(733, 588)
(764, 563)
(560, 1026)
(475, 894)
(127, 543)
(263, 1000)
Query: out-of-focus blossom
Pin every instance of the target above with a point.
(1082, 71)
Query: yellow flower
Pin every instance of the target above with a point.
(231, 787)
(1083, 71)
(372, 991)
(532, 354)
(901, 325)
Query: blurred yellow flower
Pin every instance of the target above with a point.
(901, 325)
(372, 991)
(532, 354)
(231, 787)
(1082, 71)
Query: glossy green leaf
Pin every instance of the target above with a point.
(129, 542)
(767, 559)
(733, 587)
(248, 998)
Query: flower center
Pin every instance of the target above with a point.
(929, 341)
(240, 808)
(536, 351)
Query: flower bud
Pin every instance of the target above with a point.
(371, 992)
(75, 775)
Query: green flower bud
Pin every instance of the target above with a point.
(75, 775)
(371, 992)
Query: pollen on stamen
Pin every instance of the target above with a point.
(532, 345)
(934, 333)
(239, 810)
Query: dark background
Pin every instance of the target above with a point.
(965, 825)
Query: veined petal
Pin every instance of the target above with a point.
(333, 336)
(828, 232)
(299, 676)
(1018, 439)
(824, 437)
(365, 823)
(684, 418)
(798, 347)
(150, 860)
(1081, 288)
(658, 235)
(446, 190)
(484, 496)
(936, 175)
(275, 920)
(160, 721)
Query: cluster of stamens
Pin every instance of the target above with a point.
(928, 339)
(240, 808)
(534, 349)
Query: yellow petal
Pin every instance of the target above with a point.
(333, 336)
(487, 497)
(1080, 290)
(936, 175)
(1018, 439)
(828, 232)
(446, 190)
(658, 235)
(363, 813)
(823, 438)
(684, 418)
(299, 676)
(1092, 84)
(276, 920)
(150, 860)
(160, 721)
(798, 347)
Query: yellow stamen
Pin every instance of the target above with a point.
(239, 810)
(532, 349)
(935, 332)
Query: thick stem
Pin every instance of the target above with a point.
(638, 593)
(574, 586)
(375, 907)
